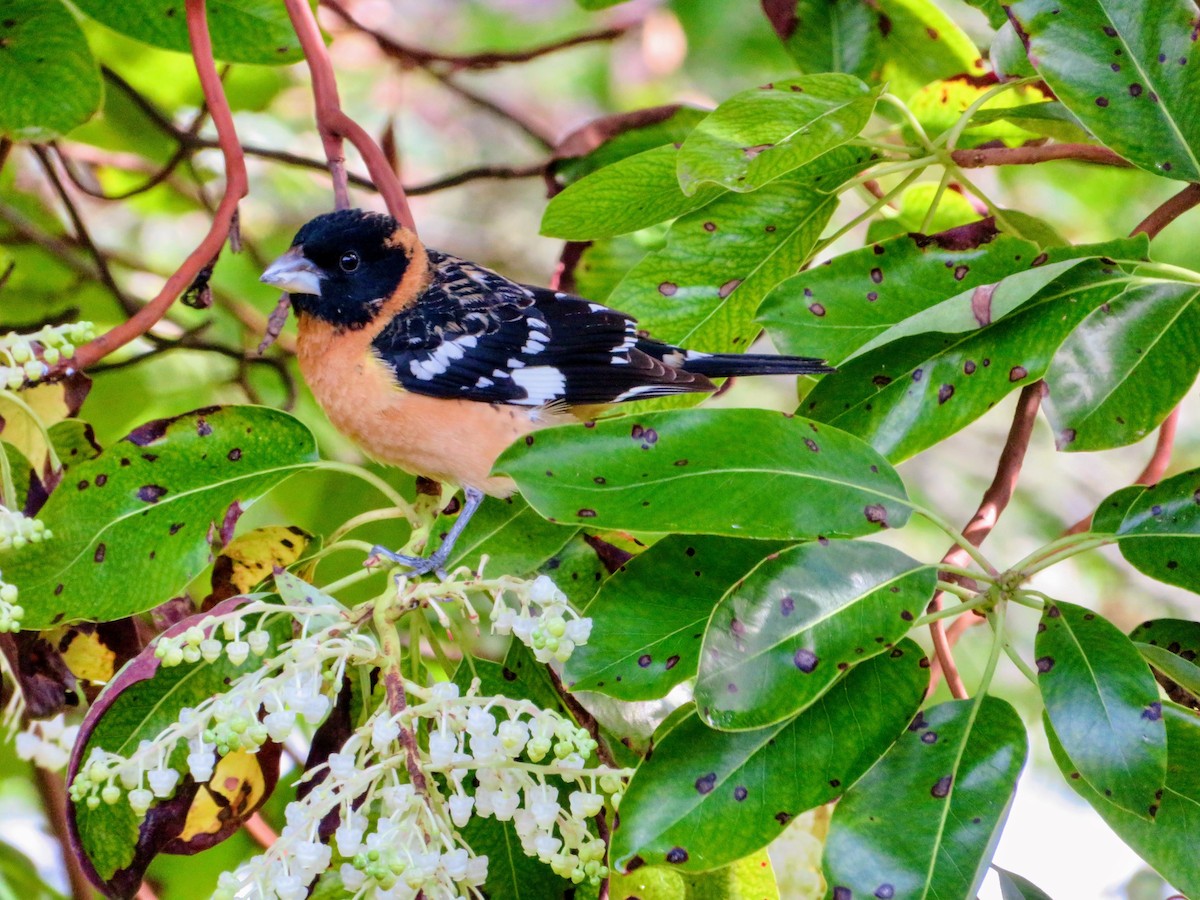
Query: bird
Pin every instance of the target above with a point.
(436, 364)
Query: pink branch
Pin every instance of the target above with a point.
(236, 187)
(334, 125)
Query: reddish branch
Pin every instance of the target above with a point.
(1028, 156)
(334, 125)
(995, 499)
(236, 187)
(1169, 212)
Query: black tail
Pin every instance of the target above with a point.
(725, 365)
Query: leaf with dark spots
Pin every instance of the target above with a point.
(811, 493)
(916, 272)
(1157, 526)
(1164, 834)
(785, 128)
(650, 610)
(839, 738)
(904, 417)
(137, 705)
(1172, 646)
(926, 818)
(1155, 126)
(198, 491)
(1126, 366)
(824, 37)
(717, 280)
(249, 560)
(843, 610)
(1096, 693)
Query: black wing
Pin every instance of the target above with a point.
(476, 335)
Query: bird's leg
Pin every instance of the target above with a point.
(423, 565)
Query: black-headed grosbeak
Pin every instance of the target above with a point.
(435, 364)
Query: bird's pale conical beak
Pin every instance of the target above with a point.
(294, 273)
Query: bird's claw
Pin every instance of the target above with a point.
(418, 565)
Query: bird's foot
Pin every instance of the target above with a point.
(419, 565)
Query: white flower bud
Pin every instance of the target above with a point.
(140, 800)
(237, 651)
(460, 809)
(584, 805)
(163, 781)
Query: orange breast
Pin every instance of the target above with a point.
(450, 440)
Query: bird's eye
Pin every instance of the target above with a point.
(349, 261)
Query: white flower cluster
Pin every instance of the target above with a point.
(28, 357)
(47, 742)
(394, 840)
(553, 631)
(512, 760)
(16, 530)
(290, 687)
(392, 846)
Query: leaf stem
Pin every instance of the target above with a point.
(965, 573)
(957, 536)
(870, 211)
(1022, 666)
(949, 138)
(908, 165)
(936, 201)
(375, 515)
(913, 123)
(996, 619)
(952, 611)
(1071, 542)
(352, 578)
(376, 482)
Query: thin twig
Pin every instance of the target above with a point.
(498, 173)
(260, 832)
(528, 128)
(1028, 156)
(1168, 212)
(236, 187)
(82, 235)
(418, 56)
(334, 125)
(995, 499)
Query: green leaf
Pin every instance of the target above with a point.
(606, 261)
(926, 819)
(992, 9)
(923, 44)
(953, 210)
(831, 310)
(1127, 71)
(1179, 639)
(1185, 675)
(938, 107)
(49, 81)
(649, 618)
(760, 134)
(911, 393)
(1168, 840)
(131, 527)
(703, 289)
(1125, 367)
(1158, 529)
(751, 878)
(824, 36)
(705, 798)
(515, 539)
(629, 195)
(243, 31)
(694, 471)
(1017, 887)
(1103, 703)
(628, 134)
(785, 633)
(141, 702)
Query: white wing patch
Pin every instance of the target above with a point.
(542, 384)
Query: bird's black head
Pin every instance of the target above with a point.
(343, 266)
